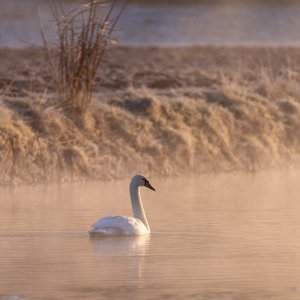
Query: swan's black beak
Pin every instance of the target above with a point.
(149, 186)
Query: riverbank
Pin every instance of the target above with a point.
(160, 111)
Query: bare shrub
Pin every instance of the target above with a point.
(83, 35)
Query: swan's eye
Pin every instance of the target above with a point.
(146, 182)
(148, 185)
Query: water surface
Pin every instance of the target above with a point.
(213, 237)
(201, 23)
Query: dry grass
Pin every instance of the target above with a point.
(237, 117)
(83, 36)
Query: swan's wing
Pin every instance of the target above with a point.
(113, 225)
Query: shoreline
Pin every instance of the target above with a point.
(158, 111)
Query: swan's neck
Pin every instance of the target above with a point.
(137, 205)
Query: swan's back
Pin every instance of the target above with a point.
(118, 225)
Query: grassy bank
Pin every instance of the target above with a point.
(156, 111)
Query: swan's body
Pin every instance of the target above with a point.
(121, 225)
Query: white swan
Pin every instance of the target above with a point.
(120, 225)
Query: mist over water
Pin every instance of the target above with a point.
(213, 237)
(195, 23)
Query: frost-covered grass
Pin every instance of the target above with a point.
(196, 115)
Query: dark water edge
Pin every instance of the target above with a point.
(162, 24)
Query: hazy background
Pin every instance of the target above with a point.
(176, 23)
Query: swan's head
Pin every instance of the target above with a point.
(141, 180)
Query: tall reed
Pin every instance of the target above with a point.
(83, 36)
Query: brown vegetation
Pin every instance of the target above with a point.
(83, 35)
(210, 110)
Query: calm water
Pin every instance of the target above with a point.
(214, 237)
(259, 23)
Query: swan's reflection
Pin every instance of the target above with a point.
(134, 248)
(121, 245)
